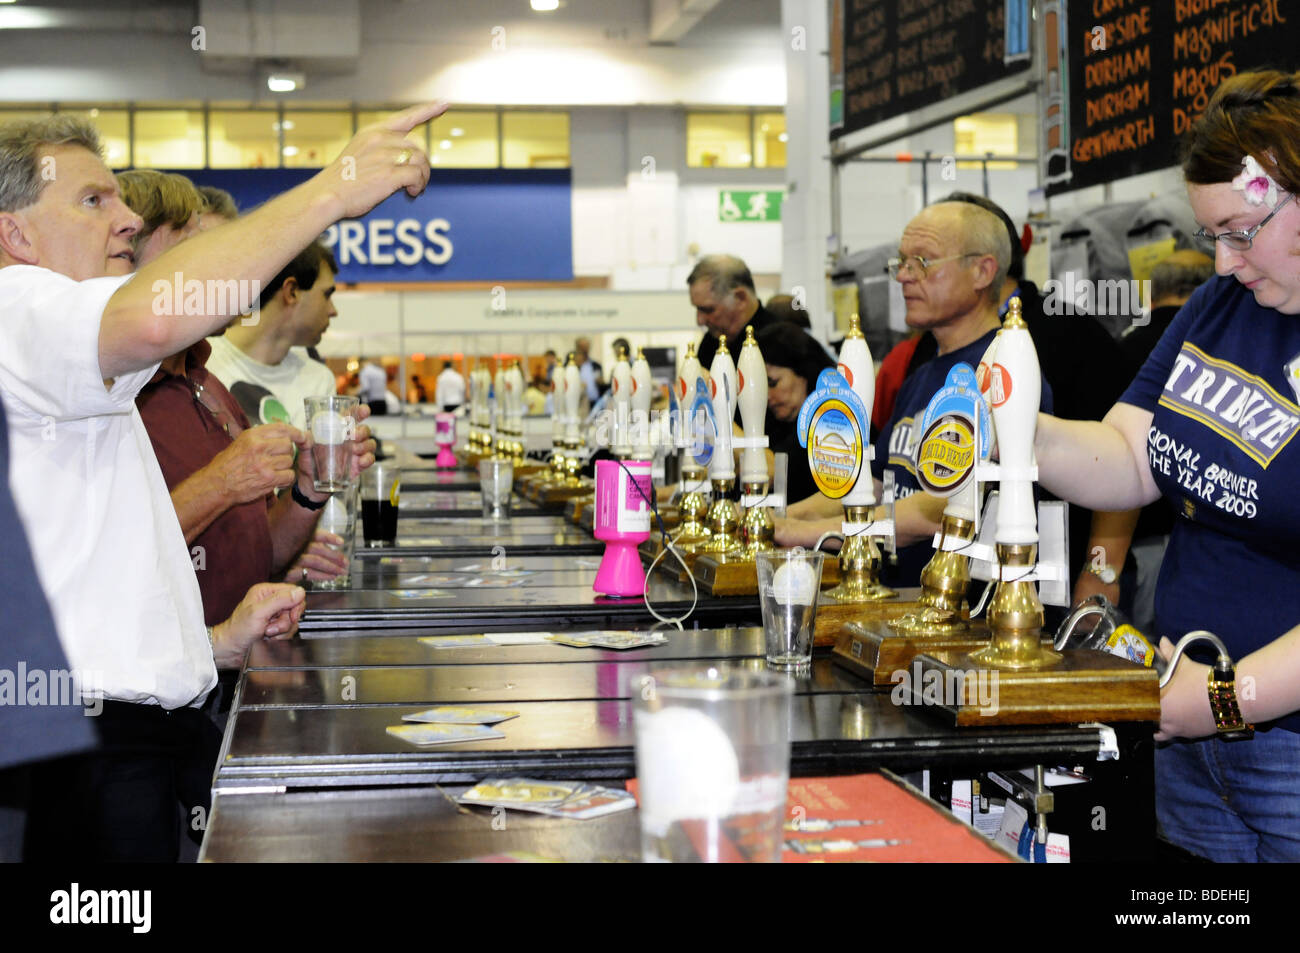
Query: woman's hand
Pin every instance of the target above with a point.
(1185, 701)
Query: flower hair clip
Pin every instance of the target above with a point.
(1258, 185)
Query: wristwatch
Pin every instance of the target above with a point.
(1221, 682)
(301, 499)
(1104, 572)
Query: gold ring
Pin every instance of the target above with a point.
(404, 157)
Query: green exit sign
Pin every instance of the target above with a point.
(763, 206)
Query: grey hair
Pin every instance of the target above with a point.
(21, 140)
(983, 233)
(1181, 273)
(724, 273)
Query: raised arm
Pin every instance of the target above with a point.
(1100, 465)
(140, 326)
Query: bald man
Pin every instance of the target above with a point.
(952, 263)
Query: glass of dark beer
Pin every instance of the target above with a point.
(381, 486)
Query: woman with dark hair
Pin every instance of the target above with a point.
(793, 362)
(1208, 423)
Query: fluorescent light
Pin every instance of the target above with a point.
(285, 82)
(545, 6)
(445, 144)
(457, 131)
(290, 151)
(783, 137)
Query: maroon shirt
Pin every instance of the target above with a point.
(236, 549)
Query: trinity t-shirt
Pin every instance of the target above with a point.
(895, 452)
(1221, 449)
(268, 393)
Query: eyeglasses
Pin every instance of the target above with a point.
(1240, 239)
(229, 424)
(919, 266)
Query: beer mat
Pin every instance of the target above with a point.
(876, 819)
(455, 641)
(489, 638)
(576, 800)
(423, 735)
(609, 640)
(449, 715)
(421, 593)
(510, 857)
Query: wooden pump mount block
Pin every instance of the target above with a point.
(1082, 686)
(833, 616)
(876, 650)
(738, 576)
(560, 492)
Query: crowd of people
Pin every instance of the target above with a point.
(159, 508)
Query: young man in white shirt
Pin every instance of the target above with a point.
(79, 337)
(263, 362)
(450, 390)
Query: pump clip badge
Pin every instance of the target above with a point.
(703, 426)
(945, 454)
(832, 424)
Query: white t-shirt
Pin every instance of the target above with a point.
(269, 392)
(374, 383)
(450, 388)
(106, 541)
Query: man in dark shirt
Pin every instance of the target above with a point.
(722, 293)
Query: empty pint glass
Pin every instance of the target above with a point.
(332, 423)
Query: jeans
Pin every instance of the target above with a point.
(1232, 801)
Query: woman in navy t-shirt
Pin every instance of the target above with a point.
(1210, 423)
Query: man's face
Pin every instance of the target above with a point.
(80, 227)
(947, 293)
(720, 315)
(314, 310)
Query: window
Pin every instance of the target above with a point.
(114, 127)
(535, 140)
(769, 140)
(981, 133)
(243, 139)
(468, 140)
(314, 139)
(169, 139)
(718, 141)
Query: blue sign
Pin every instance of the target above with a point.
(832, 425)
(955, 422)
(703, 423)
(467, 225)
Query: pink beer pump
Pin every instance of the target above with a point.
(446, 439)
(623, 494)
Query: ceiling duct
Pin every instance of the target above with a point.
(313, 36)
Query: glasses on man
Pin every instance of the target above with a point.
(1240, 239)
(225, 421)
(919, 266)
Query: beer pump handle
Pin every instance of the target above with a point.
(752, 397)
(1014, 388)
(723, 385)
(621, 402)
(686, 378)
(642, 393)
(572, 397)
(856, 366)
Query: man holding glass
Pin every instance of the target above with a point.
(105, 538)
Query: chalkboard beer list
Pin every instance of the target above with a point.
(900, 55)
(1141, 73)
